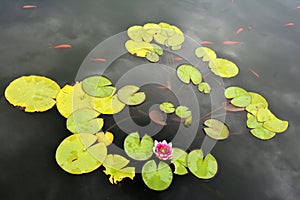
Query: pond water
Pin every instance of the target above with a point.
(249, 168)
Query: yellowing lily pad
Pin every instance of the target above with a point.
(152, 57)
(108, 105)
(84, 121)
(241, 101)
(223, 68)
(73, 154)
(232, 92)
(264, 114)
(115, 167)
(252, 121)
(157, 177)
(180, 161)
(152, 28)
(257, 102)
(98, 86)
(183, 112)
(204, 87)
(167, 107)
(276, 125)
(137, 48)
(205, 53)
(130, 96)
(262, 133)
(32, 93)
(177, 39)
(136, 33)
(138, 149)
(216, 129)
(187, 73)
(107, 137)
(202, 167)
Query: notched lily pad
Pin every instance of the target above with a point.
(216, 129)
(167, 107)
(276, 125)
(204, 87)
(107, 137)
(241, 101)
(183, 112)
(138, 48)
(130, 96)
(180, 161)
(223, 68)
(264, 114)
(205, 53)
(261, 133)
(108, 105)
(252, 121)
(257, 102)
(232, 92)
(187, 73)
(32, 93)
(98, 86)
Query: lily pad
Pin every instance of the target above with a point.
(276, 125)
(262, 133)
(98, 86)
(223, 68)
(115, 167)
(187, 73)
(136, 33)
(73, 154)
(257, 102)
(205, 53)
(202, 167)
(264, 114)
(252, 121)
(152, 28)
(216, 129)
(204, 87)
(108, 105)
(241, 101)
(157, 177)
(152, 57)
(107, 137)
(138, 48)
(130, 96)
(157, 49)
(232, 92)
(32, 93)
(177, 39)
(138, 149)
(180, 161)
(84, 121)
(188, 121)
(167, 107)
(183, 112)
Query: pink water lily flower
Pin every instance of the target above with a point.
(163, 150)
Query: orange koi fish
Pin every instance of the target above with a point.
(29, 6)
(254, 73)
(239, 30)
(288, 24)
(178, 59)
(98, 59)
(231, 42)
(206, 42)
(62, 46)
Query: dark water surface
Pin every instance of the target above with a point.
(249, 168)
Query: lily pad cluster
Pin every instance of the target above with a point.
(219, 66)
(162, 34)
(188, 73)
(181, 111)
(262, 122)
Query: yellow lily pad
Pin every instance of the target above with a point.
(187, 73)
(205, 53)
(108, 105)
(223, 68)
(204, 87)
(138, 48)
(107, 137)
(216, 129)
(257, 102)
(276, 125)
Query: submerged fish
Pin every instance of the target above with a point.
(254, 73)
(238, 31)
(289, 24)
(99, 59)
(62, 46)
(231, 42)
(206, 42)
(29, 6)
(178, 59)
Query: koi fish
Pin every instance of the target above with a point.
(254, 73)
(298, 7)
(288, 24)
(178, 59)
(29, 6)
(62, 46)
(98, 59)
(231, 42)
(206, 42)
(238, 31)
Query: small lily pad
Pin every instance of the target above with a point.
(223, 68)
(32, 93)
(216, 129)
(232, 92)
(180, 161)
(115, 167)
(202, 167)
(107, 137)
(177, 39)
(262, 133)
(152, 57)
(167, 107)
(108, 105)
(252, 121)
(183, 112)
(130, 96)
(138, 149)
(276, 125)
(98, 86)
(188, 121)
(157, 177)
(257, 102)
(241, 101)
(136, 33)
(187, 73)
(204, 87)
(84, 121)
(205, 53)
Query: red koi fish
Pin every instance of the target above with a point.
(62, 46)
(178, 59)
(231, 42)
(98, 59)
(254, 73)
(239, 30)
(206, 42)
(288, 24)
(298, 7)
(29, 6)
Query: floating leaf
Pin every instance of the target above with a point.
(167, 107)
(257, 102)
(252, 121)
(129, 95)
(232, 92)
(136, 33)
(276, 125)
(204, 168)
(32, 93)
(262, 133)
(108, 105)
(188, 121)
(157, 177)
(166, 29)
(183, 112)
(152, 28)
(223, 68)
(152, 57)
(205, 53)
(176, 48)
(187, 73)
(204, 87)
(179, 161)
(115, 167)
(157, 117)
(157, 49)
(84, 121)
(264, 114)
(73, 155)
(98, 86)
(137, 48)
(177, 39)
(216, 129)
(241, 101)
(138, 149)
(107, 137)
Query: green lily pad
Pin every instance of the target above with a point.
(203, 168)
(241, 101)
(136, 33)
(216, 129)
(32, 93)
(115, 167)
(166, 29)
(179, 160)
(187, 73)
(205, 53)
(98, 86)
(276, 125)
(204, 87)
(157, 49)
(129, 95)
(160, 39)
(257, 102)
(138, 149)
(157, 177)
(177, 39)
(152, 28)
(84, 121)
(73, 154)
(223, 68)
(152, 57)
(232, 92)
(108, 105)
(188, 121)
(262, 133)
(167, 107)
(252, 121)
(183, 112)
(264, 114)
